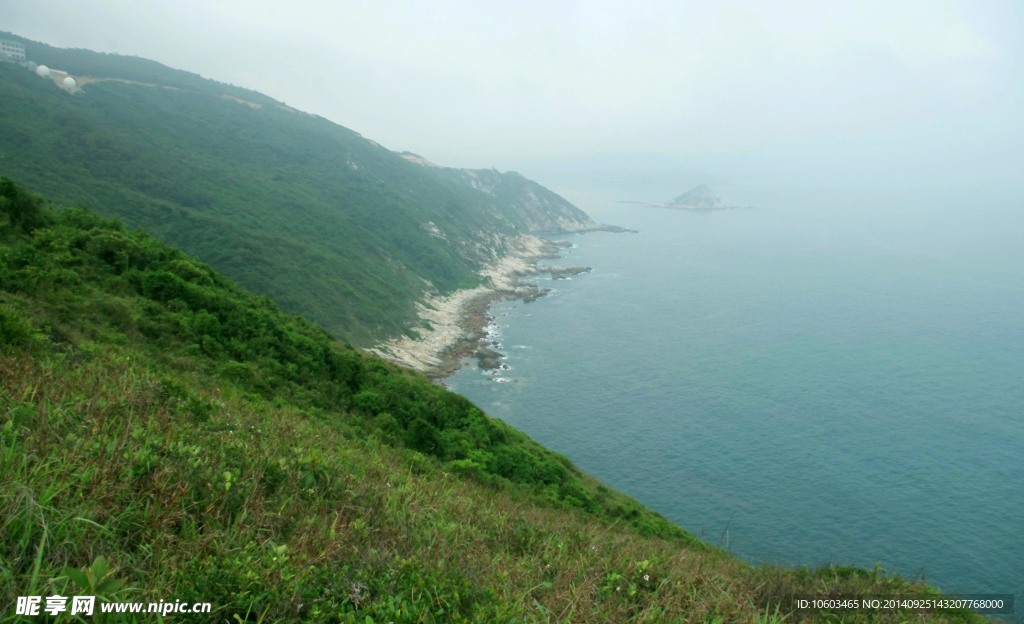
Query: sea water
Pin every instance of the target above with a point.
(822, 378)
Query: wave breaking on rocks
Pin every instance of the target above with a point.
(453, 325)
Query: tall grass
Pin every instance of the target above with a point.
(206, 494)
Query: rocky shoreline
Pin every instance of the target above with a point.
(453, 326)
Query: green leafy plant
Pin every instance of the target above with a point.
(96, 579)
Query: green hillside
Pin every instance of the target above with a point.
(328, 224)
(165, 435)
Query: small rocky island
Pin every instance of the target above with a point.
(699, 198)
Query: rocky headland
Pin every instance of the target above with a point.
(453, 326)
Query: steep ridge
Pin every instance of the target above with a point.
(327, 223)
(525, 202)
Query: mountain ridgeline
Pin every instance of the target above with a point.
(525, 202)
(328, 224)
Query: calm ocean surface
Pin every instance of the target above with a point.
(822, 379)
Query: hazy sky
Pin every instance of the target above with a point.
(827, 93)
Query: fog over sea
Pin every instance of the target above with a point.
(825, 378)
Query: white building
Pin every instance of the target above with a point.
(12, 50)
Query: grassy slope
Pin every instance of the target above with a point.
(328, 224)
(165, 435)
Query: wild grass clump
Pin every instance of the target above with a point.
(207, 495)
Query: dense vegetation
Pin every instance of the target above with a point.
(116, 285)
(166, 435)
(328, 224)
